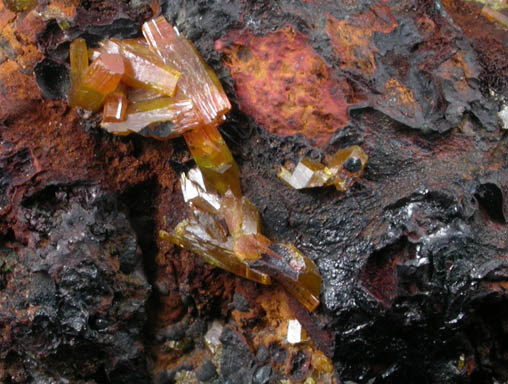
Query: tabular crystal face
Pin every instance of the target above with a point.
(177, 110)
(198, 81)
(214, 158)
(115, 107)
(143, 68)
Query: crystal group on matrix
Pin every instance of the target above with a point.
(158, 86)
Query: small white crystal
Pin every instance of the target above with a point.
(503, 115)
(212, 337)
(194, 191)
(294, 334)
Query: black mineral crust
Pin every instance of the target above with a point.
(75, 292)
(414, 257)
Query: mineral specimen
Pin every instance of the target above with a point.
(238, 246)
(342, 169)
(204, 234)
(171, 92)
(198, 81)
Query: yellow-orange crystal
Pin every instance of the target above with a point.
(214, 158)
(341, 169)
(115, 107)
(239, 246)
(164, 89)
(99, 80)
(20, 5)
(143, 67)
(177, 110)
(198, 81)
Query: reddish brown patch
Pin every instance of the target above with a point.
(285, 85)
(380, 273)
(489, 40)
(352, 38)
(29, 26)
(5, 15)
(17, 91)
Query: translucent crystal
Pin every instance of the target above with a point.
(241, 216)
(176, 110)
(294, 333)
(99, 80)
(198, 81)
(115, 107)
(341, 170)
(307, 174)
(244, 225)
(194, 192)
(495, 16)
(78, 53)
(212, 337)
(143, 68)
(213, 157)
(346, 165)
(189, 234)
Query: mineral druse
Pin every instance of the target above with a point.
(225, 230)
(341, 170)
(161, 87)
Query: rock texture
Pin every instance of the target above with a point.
(413, 257)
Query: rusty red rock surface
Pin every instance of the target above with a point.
(285, 85)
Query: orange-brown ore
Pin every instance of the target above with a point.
(285, 85)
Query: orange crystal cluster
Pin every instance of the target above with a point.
(225, 230)
(341, 169)
(160, 87)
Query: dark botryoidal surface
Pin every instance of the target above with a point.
(414, 258)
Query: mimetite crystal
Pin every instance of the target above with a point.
(99, 80)
(198, 81)
(341, 170)
(143, 68)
